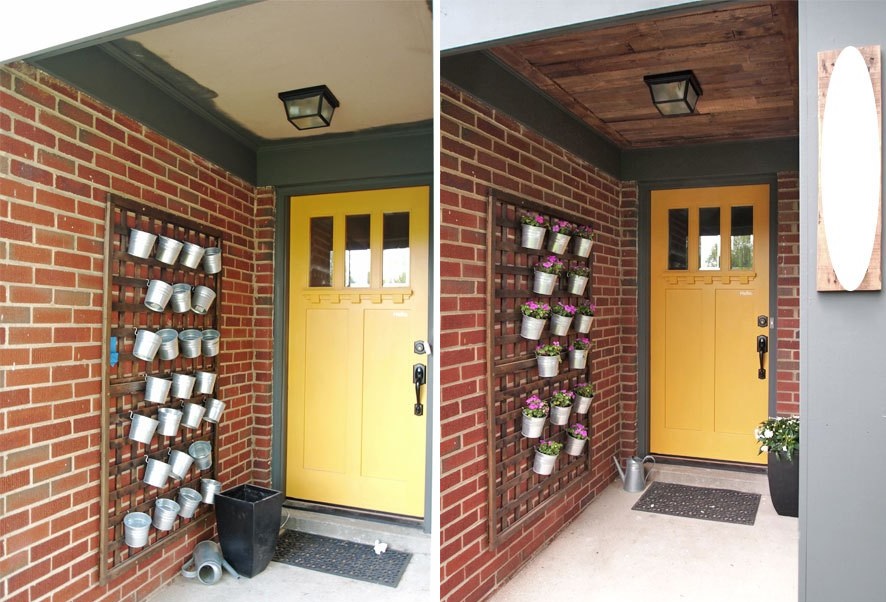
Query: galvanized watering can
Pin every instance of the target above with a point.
(633, 475)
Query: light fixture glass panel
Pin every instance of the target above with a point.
(357, 254)
(669, 91)
(673, 108)
(678, 239)
(312, 121)
(300, 107)
(326, 110)
(395, 260)
(709, 238)
(321, 252)
(742, 235)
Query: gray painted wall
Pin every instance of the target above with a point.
(842, 372)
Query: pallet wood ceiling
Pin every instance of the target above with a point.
(744, 55)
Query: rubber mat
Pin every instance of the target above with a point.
(706, 503)
(342, 558)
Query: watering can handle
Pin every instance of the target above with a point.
(189, 571)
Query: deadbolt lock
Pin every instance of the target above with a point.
(762, 321)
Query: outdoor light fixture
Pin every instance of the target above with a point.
(309, 108)
(674, 93)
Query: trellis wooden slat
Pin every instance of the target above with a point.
(516, 494)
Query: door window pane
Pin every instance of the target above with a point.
(395, 261)
(678, 239)
(357, 255)
(321, 251)
(709, 238)
(742, 253)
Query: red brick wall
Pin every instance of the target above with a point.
(787, 318)
(482, 148)
(61, 153)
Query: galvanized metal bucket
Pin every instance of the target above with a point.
(158, 295)
(181, 297)
(210, 342)
(156, 389)
(182, 385)
(169, 419)
(543, 283)
(191, 255)
(136, 526)
(168, 250)
(201, 451)
(548, 366)
(168, 343)
(165, 513)
(557, 243)
(192, 413)
(583, 323)
(560, 324)
(140, 243)
(205, 382)
(147, 344)
(532, 236)
(188, 499)
(156, 472)
(142, 428)
(180, 463)
(189, 342)
(202, 299)
(530, 328)
(214, 409)
(543, 464)
(208, 489)
(212, 263)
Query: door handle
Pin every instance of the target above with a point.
(419, 378)
(762, 349)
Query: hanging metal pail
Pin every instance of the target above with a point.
(210, 342)
(146, 345)
(188, 499)
(560, 324)
(136, 526)
(165, 512)
(141, 243)
(156, 389)
(205, 382)
(168, 250)
(212, 263)
(158, 295)
(189, 342)
(182, 385)
(214, 409)
(168, 343)
(156, 473)
(169, 418)
(191, 255)
(180, 463)
(201, 451)
(181, 298)
(208, 489)
(142, 428)
(202, 299)
(192, 413)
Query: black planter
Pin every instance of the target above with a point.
(248, 520)
(784, 483)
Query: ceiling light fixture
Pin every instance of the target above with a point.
(309, 108)
(674, 93)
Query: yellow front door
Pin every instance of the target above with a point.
(358, 299)
(709, 274)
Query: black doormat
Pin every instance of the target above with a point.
(722, 505)
(342, 558)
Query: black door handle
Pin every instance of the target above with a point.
(762, 348)
(419, 377)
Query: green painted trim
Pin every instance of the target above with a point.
(481, 76)
(107, 79)
(281, 349)
(325, 162)
(722, 160)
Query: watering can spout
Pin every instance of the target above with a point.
(621, 472)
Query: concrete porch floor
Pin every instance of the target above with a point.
(283, 582)
(611, 554)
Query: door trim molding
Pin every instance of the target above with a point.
(281, 319)
(644, 233)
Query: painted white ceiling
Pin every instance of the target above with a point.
(375, 55)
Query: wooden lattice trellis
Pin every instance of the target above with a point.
(123, 460)
(516, 493)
